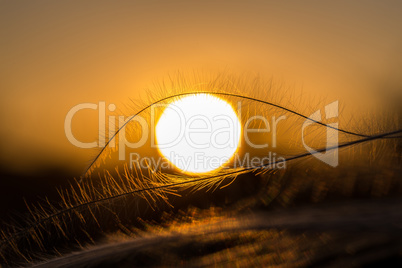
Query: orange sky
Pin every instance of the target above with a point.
(56, 54)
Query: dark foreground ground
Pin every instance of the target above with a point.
(353, 234)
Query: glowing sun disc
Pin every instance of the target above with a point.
(198, 133)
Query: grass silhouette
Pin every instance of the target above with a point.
(105, 198)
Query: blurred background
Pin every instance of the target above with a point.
(57, 54)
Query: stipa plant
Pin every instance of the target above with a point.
(112, 195)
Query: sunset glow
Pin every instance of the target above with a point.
(198, 133)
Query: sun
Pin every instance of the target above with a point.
(198, 133)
